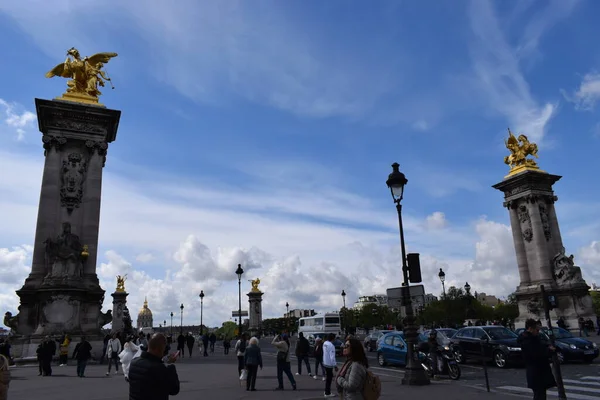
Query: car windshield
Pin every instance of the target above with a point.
(447, 332)
(560, 333)
(500, 333)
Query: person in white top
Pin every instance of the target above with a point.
(130, 350)
(240, 348)
(113, 348)
(329, 362)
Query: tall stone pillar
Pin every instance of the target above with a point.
(541, 258)
(62, 292)
(119, 307)
(255, 312)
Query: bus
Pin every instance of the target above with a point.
(320, 324)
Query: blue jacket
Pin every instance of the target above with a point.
(253, 356)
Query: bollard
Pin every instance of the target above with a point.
(483, 343)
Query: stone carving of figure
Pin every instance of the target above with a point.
(545, 221)
(255, 283)
(73, 171)
(64, 254)
(565, 270)
(11, 321)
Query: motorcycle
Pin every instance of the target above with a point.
(447, 365)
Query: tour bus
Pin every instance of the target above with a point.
(320, 325)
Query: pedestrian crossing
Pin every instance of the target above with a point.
(584, 388)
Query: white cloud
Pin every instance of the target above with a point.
(437, 220)
(496, 65)
(590, 255)
(17, 118)
(145, 258)
(588, 94)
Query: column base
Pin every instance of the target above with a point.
(416, 376)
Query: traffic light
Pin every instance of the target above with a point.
(552, 303)
(414, 268)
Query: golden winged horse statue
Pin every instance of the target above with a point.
(86, 75)
(520, 148)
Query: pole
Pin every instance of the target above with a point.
(201, 315)
(415, 374)
(181, 324)
(171, 324)
(484, 343)
(240, 303)
(555, 364)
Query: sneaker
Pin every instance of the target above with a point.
(329, 395)
(323, 379)
(310, 375)
(116, 372)
(278, 388)
(108, 374)
(297, 373)
(294, 386)
(315, 377)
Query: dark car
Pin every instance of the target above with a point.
(445, 334)
(371, 341)
(569, 347)
(499, 345)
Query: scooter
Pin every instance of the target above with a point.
(447, 365)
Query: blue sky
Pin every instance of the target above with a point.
(266, 131)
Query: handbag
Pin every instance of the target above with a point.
(244, 375)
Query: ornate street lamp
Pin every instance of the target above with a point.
(201, 311)
(442, 276)
(165, 325)
(287, 316)
(181, 325)
(468, 289)
(415, 373)
(343, 320)
(239, 272)
(344, 297)
(171, 323)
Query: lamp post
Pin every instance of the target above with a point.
(239, 272)
(171, 323)
(415, 373)
(181, 325)
(442, 276)
(165, 325)
(468, 289)
(344, 311)
(468, 294)
(201, 311)
(287, 316)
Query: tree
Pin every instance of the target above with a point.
(506, 312)
(454, 293)
(227, 330)
(595, 301)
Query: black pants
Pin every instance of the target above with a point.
(226, 350)
(212, 347)
(81, 364)
(240, 364)
(317, 363)
(181, 349)
(47, 366)
(284, 367)
(251, 379)
(539, 394)
(40, 366)
(205, 346)
(305, 359)
(190, 348)
(114, 359)
(328, 379)
(63, 359)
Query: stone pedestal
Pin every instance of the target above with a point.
(62, 292)
(119, 307)
(541, 258)
(255, 312)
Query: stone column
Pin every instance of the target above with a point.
(255, 312)
(557, 243)
(119, 304)
(519, 245)
(539, 242)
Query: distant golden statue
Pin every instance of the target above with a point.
(255, 283)
(86, 75)
(519, 149)
(121, 283)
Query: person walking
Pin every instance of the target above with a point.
(536, 355)
(105, 343)
(4, 376)
(126, 356)
(351, 379)
(47, 351)
(82, 353)
(329, 362)
(252, 360)
(319, 358)
(149, 377)
(226, 345)
(113, 348)
(282, 344)
(205, 340)
(181, 344)
(189, 340)
(63, 357)
(240, 349)
(302, 350)
(212, 339)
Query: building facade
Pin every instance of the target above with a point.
(487, 300)
(144, 319)
(377, 299)
(299, 313)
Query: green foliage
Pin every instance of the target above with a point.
(595, 301)
(227, 330)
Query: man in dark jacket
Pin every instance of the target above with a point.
(83, 352)
(47, 351)
(205, 344)
(149, 378)
(181, 344)
(536, 355)
(302, 350)
(212, 338)
(189, 339)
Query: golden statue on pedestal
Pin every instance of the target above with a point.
(255, 283)
(121, 283)
(86, 76)
(519, 149)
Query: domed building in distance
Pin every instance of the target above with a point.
(144, 317)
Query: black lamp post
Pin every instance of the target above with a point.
(344, 297)
(442, 276)
(165, 324)
(171, 323)
(468, 289)
(239, 272)
(344, 312)
(415, 373)
(181, 325)
(287, 315)
(201, 311)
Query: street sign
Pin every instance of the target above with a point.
(236, 314)
(395, 295)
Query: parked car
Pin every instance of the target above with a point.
(392, 349)
(371, 341)
(499, 345)
(569, 347)
(445, 334)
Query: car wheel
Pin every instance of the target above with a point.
(588, 360)
(381, 360)
(499, 359)
(458, 356)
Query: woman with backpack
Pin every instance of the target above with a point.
(240, 348)
(352, 376)
(283, 360)
(319, 358)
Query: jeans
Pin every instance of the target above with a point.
(317, 363)
(240, 364)
(281, 368)
(114, 358)
(539, 394)
(226, 350)
(63, 359)
(328, 379)
(212, 347)
(305, 359)
(205, 347)
(47, 366)
(81, 364)
(251, 379)
(190, 348)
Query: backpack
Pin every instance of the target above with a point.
(372, 389)
(242, 346)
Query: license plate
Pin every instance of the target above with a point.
(587, 352)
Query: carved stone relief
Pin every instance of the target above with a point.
(545, 221)
(565, 270)
(525, 220)
(51, 141)
(534, 306)
(86, 127)
(99, 147)
(73, 175)
(63, 256)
